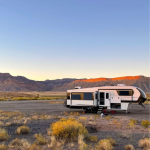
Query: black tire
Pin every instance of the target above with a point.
(65, 103)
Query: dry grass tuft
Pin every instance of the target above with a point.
(71, 113)
(108, 118)
(113, 142)
(36, 117)
(1, 123)
(56, 144)
(17, 143)
(75, 113)
(3, 135)
(144, 143)
(93, 138)
(3, 147)
(129, 147)
(147, 102)
(91, 119)
(132, 123)
(40, 139)
(68, 129)
(145, 123)
(104, 145)
(35, 147)
(117, 123)
(82, 144)
(23, 130)
(82, 120)
(53, 142)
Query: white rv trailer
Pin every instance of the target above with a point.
(96, 99)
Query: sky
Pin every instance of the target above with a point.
(55, 39)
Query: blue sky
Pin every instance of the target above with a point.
(74, 38)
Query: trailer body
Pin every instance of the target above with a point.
(118, 97)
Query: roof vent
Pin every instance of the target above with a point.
(78, 87)
(121, 85)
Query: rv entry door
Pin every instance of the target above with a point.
(104, 98)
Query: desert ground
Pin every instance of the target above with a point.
(38, 115)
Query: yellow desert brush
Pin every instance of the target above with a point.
(132, 123)
(68, 129)
(75, 113)
(145, 123)
(23, 130)
(3, 135)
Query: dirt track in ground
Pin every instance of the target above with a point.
(104, 127)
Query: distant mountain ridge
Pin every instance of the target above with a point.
(20, 83)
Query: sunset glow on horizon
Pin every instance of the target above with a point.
(74, 39)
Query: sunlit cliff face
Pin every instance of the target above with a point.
(110, 79)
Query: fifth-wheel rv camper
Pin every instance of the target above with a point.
(96, 99)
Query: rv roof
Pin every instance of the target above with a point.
(92, 89)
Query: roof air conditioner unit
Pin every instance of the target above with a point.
(78, 87)
(121, 85)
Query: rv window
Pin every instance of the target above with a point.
(102, 102)
(101, 95)
(68, 95)
(107, 95)
(88, 96)
(124, 93)
(95, 95)
(77, 97)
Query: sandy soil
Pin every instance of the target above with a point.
(99, 126)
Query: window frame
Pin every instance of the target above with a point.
(82, 96)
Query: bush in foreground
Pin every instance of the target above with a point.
(69, 129)
(40, 139)
(23, 130)
(35, 147)
(3, 135)
(144, 143)
(17, 143)
(3, 147)
(104, 144)
(129, 147)
(93, 138)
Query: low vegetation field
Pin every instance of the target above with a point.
(8, 96)
(42, 125)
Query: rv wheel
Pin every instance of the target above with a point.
(94, 111)
(65, 103)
